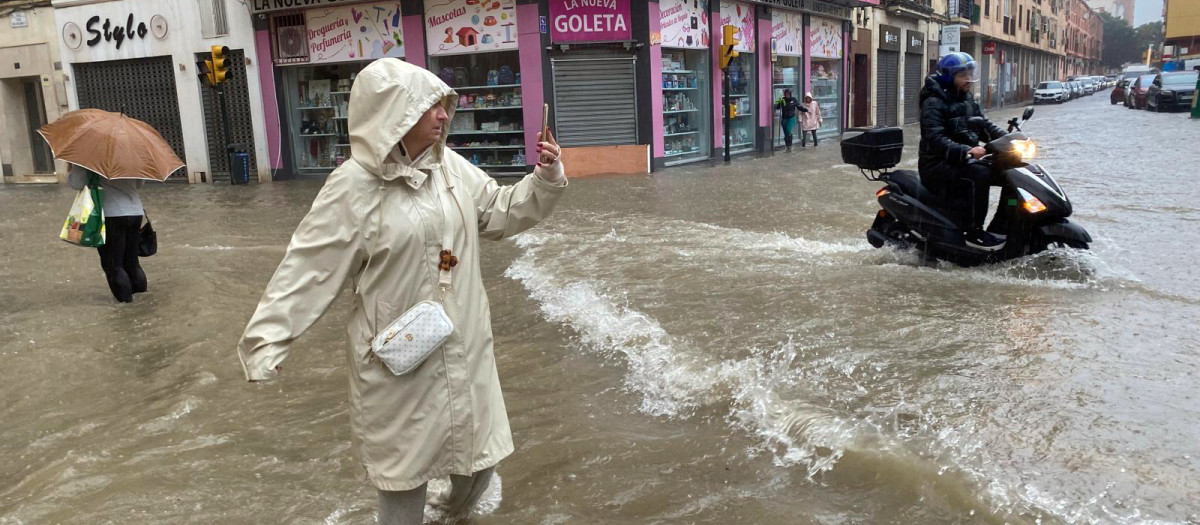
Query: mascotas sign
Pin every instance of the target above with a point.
(589, 20)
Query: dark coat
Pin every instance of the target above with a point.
(945, 136)
(787, 107)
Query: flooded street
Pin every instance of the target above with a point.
(704, 345)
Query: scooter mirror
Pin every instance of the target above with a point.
(1028, 113)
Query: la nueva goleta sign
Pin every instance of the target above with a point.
(589, 20)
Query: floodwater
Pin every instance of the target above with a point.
(705, 345)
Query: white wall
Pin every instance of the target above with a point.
(183, 40)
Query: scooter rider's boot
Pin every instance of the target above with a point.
(982, 240)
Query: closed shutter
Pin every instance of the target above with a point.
(888, 88)
(241, 124)
(595, 102)
(913, 81)
(143, 88)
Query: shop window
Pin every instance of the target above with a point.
(786, 76)
(318, 98)
(488, 126)
(687, 128)
(742, 126)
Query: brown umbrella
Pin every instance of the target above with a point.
(111, 144)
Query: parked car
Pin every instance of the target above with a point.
(1118, 93)
(1089, 85)
(1136, 98)
(1052, 91)
(1076, 89)
(1171, 91)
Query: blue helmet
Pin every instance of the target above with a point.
(953, 64)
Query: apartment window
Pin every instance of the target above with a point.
(987, 8)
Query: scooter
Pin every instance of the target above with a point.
(1033, 210)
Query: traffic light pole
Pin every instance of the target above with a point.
(225, 124)
(725, 109)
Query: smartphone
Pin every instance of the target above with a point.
(545, 121)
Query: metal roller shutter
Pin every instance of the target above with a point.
(595, 101)
(888, 88)
(913, 81)
(143, 88)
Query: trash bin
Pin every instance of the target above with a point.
(239, 172)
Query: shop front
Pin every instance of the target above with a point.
(827, 68)
(683, 118)
(743, 77)
(318, 52)
(473, 47)
(887, 76)
(787, 39)
(138, 58)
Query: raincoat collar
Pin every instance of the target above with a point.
(387, 99)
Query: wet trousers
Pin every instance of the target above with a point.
(119, 257)
(804, 138)
(789, 125)
(964, 190)
(407, 507)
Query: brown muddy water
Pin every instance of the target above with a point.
(704, 345)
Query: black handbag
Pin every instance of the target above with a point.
(147, 240)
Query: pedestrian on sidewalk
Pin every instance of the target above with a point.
(122, 225)
(787, 105)
(810, 120)
(401, 221)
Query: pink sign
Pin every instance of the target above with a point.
(589, 20)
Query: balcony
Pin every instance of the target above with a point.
(919, 9)
(959, 12)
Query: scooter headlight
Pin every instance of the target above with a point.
(1025, 148)
(1030, 203)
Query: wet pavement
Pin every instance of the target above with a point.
(709, 344)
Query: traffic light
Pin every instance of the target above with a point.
(220, 66)
(204, 69)
(733, 111)
(728, 41)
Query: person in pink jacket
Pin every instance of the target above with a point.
(809, 120)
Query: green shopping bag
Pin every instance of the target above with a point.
(85, 223)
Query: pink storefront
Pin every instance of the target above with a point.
(797, 45)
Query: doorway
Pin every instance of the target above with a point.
(862, 90)
(35, 116)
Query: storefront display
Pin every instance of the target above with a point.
(787, 33)
(742, 73)
(685, 90)
(318, 101)
(473, 48)
(826, 72)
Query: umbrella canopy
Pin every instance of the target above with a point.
(111, 144)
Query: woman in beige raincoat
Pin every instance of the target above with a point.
(378, 223)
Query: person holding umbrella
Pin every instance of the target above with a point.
(118, 154)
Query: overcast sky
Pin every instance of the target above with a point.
(1146, 11)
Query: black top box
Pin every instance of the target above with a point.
(873, 149)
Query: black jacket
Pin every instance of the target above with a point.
(945, 136)
(788, 106)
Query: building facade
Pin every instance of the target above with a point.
(1181, 19)
(1084, 37)
(139, 58)
(31, 90)
(1122, 9)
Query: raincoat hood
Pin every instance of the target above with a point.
(389, 96)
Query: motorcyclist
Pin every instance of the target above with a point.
(949, 144)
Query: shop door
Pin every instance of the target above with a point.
(595, 101)
(143, 88)
(241, 127)
(35, 116)
(888, 88)
(913, 81)
(862, 90)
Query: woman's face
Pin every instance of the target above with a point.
(427, 131)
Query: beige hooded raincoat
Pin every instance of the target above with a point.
(378, 222)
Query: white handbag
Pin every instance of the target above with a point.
(424, 328)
